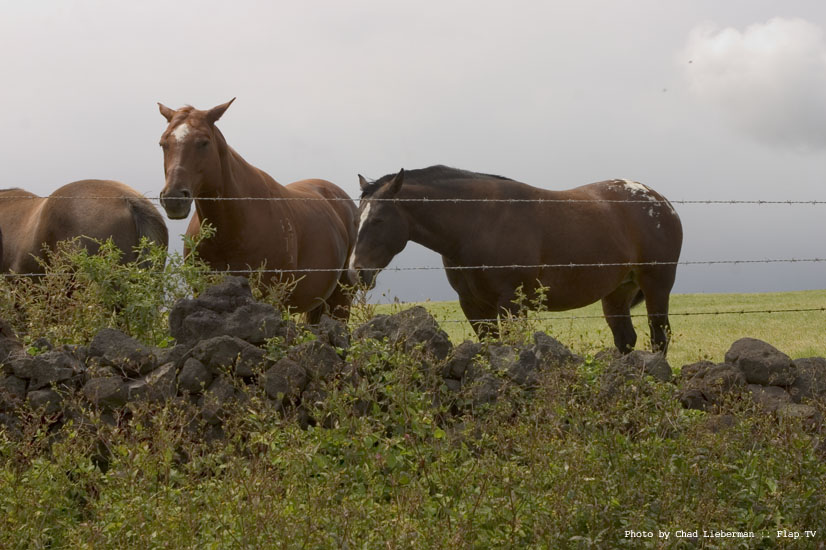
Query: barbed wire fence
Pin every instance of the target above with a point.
(646, 201)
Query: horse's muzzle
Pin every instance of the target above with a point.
(367, 277)
(177, 204)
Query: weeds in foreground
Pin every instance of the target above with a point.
(385, 466)
(80, 293)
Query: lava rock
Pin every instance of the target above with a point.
(811, 379)
(761, 363)
(461, 359)
(116, 349)
(157, 386)
(107, 392)
(284, 381)
(769, 398)
(214, 401)
(704, 384)
(411, 329)
(550, 351)
(194, 376)
(47, 401)
(41, 371)
(318, 359)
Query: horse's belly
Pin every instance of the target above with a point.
(572, 288)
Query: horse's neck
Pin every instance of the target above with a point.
(238, 179)
(433, 225)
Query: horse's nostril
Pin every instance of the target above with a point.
(185, 194)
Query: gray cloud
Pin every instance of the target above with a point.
(768, 80)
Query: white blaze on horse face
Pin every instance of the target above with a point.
(364, 214)
(180, 132)
(362, 220)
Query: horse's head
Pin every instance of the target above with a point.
(191, 160)
(383, 229)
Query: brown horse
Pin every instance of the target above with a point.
(306, 225)
(92, 209)
(555, 237)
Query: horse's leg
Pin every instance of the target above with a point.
(656, 284)
(313, 317)
(482, 319)
(341, 298)
(617, 310)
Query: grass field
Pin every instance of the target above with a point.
(698, 333)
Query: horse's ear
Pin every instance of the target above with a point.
(166, 112)
(215, 113)
(363, 183)
(396, 183)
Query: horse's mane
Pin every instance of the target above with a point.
(431, 175)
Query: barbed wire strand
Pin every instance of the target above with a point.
(636, 315)
(449, 200)
(481, 267)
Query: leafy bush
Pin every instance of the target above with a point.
(80, 293)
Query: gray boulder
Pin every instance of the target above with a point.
(284, 381)
(116, 349)
(194, 377)
(227, 309)
(215, 400)
(520, 366)
(318, 359)
(13, 386)
(229, 354)
(411, 329)
(769, 398)
(551, 352)
(761, 363)
(157, 386)
(108, 392)
(639, 362)
(811, 379)
(704, 384)
(463, 357)
(46, 401)
(331, 331)
(41, 371)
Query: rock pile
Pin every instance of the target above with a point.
(226, 341)
(755, 369)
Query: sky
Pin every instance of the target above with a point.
(701, 100)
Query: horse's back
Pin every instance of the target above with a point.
(644, 215)
(90, 209)
(326, 198)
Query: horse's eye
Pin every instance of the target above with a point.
(202, 143)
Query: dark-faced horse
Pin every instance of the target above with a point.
(307, 229)
(616, 241)
(90, 209)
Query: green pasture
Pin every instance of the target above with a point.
(704, 325)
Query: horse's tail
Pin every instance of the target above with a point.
(149, 222)
(638, 299)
